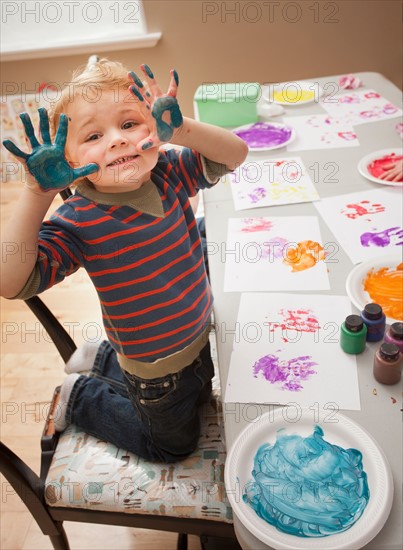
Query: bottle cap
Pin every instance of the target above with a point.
(373, 311)
(389, 352)
(354, 323)
(396, 331)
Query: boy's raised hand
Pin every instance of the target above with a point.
(47, 163)
(161, 111)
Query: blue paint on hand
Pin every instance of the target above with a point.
(136, 79)
(47, 162)
(147, 145)
(148, 71)
(136, 93)
(176, 77)
(164, 129)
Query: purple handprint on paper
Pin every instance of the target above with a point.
(274, 249)
(383, 238)
(257, 194)
(286, 373)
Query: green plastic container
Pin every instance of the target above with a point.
(229, 104)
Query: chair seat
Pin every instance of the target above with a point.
(88, 473)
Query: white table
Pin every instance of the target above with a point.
(378, 415)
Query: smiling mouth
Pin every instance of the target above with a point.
(123, 160)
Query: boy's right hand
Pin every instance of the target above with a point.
(47, 162)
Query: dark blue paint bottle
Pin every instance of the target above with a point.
(375, 319)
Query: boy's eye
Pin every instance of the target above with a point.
(129, 124)
(92, 137)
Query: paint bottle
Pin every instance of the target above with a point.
(387, 364)
(395, 335)
(375, 320)
(353, 334)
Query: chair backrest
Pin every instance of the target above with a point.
(59, 335)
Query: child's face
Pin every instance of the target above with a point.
(107, 132)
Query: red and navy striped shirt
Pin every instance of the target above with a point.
(148, 270)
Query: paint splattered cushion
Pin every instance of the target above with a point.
(89, 473)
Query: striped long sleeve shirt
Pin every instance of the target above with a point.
(143, 253)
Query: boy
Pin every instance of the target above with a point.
(131, 226)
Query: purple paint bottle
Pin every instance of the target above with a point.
(395, 335)
(375, 319)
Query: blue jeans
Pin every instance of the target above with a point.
(156, 419)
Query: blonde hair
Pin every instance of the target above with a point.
(95, 76)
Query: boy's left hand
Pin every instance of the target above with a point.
(161, 111)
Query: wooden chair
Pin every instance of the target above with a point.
(85, 480)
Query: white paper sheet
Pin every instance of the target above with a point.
(360, 106)
(286, 350)
(270, 182)
(276, 253)
(320, 132)
(365, 223)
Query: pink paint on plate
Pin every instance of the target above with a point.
(377, 167)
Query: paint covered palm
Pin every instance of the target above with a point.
(50, 168)
(47, 162)
(164, 105)
(161, 111)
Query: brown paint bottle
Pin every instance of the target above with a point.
(387, 364)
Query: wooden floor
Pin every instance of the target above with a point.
(30, 370)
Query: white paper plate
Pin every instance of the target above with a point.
(292, 92)
(277, 125)
(338, 430)
(376, 155)
(354, 283)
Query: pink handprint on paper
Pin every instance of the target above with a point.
(389, 109)
(379, 111)
(348, 136)
(368, 114)
(301, 320)
(349, 99)
(251, 225)
(362, 209)
(371, 95)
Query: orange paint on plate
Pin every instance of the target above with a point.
(385, 288)
(305, 255)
